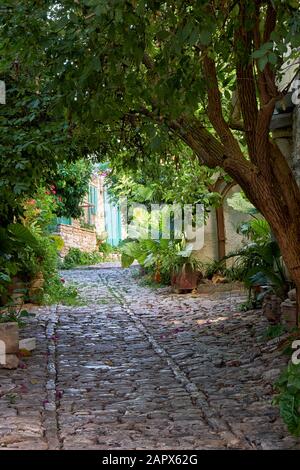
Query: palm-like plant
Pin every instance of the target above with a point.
(260, 264)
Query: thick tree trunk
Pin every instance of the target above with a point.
(264, 173)
(272, 189)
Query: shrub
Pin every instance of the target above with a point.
(160, 258)
(288, 398)
(105, 248)
(57, 292)
(76, 257)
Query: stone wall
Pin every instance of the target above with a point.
(76, 237)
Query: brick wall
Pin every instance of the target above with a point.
(76, 237)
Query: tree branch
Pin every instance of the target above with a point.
(246, 82)
(214, 111)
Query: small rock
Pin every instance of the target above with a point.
(29, 344)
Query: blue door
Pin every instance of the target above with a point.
(112, 221)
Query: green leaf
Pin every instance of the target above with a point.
(126, 260)
(262, 62)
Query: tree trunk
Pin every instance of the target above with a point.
(272, 189)
(263, 174)
(221, 232)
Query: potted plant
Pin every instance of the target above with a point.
(186, 272)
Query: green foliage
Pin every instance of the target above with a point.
(161, 258)
(257, 230)
(273, 331)
(240, 203)
(16, 315)
(58, 293)
(87, 226)
(288, 398)
(251, 304)
(124, 70)
(34, 134)
(76, 257)
(170, 180)
(70, 186)
(58, 241)
(231, 273)
(259, 261)
(260, 264)
(17, 244)
(121, 79)
(39, 211)
(105, 248)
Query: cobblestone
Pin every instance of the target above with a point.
(140, 368)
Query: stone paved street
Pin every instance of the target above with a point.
(141, 368)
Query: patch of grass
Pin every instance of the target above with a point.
(250, 304)
(12, 398)
(273, 331)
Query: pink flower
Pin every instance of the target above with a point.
(31, 202)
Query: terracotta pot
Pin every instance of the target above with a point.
(289, 314)
(186, 279)
(271, 308)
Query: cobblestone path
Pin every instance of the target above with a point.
(140, 368)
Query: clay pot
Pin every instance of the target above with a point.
(271, 308)
(289, 314)
(186, 279)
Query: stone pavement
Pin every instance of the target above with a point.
(140, 368)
